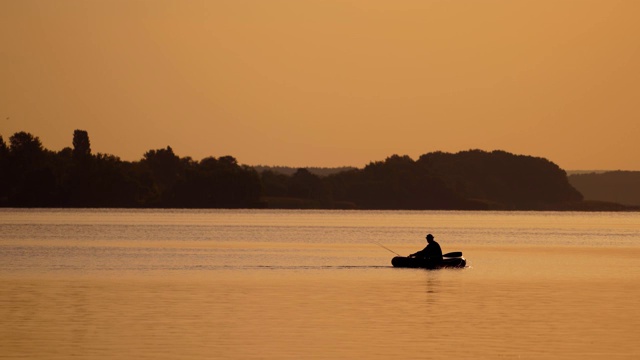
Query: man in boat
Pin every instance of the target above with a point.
(432, 252)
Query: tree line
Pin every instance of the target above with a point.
(468, 180)
(33, 176)
(74, 177)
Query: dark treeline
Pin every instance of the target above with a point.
(32, 176)
(73, 177)
(467, 180)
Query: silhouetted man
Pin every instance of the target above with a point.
(432, 252)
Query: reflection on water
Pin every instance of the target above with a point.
(167, 285)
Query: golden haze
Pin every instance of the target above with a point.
(326, 83)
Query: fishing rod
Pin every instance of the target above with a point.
(384, 247)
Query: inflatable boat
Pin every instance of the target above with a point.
(450, 260)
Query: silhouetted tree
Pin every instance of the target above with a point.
(396, 183)
(165, 168)
(26, 149)
(304, 184)
(30, 180)
(502, 180)
(79, 187)
(112, 184)
(233, 185)
(214, 183)
(81, 144)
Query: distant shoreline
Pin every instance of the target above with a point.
(34, 177)
(587, 207)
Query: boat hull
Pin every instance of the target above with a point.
(409, 262)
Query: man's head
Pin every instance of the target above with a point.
(429, 238)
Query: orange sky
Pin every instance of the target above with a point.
(324, 82)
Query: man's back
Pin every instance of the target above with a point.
(433, 251)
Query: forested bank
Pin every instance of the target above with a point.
(74, 177)
(33, 176)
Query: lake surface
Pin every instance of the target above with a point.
(263, 284)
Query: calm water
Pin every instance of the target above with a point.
(226, 284)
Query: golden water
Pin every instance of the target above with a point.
(96, 284)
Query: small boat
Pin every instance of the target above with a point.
(449, 260)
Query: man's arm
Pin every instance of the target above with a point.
(421, 253)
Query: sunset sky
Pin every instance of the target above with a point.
(324, 82)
